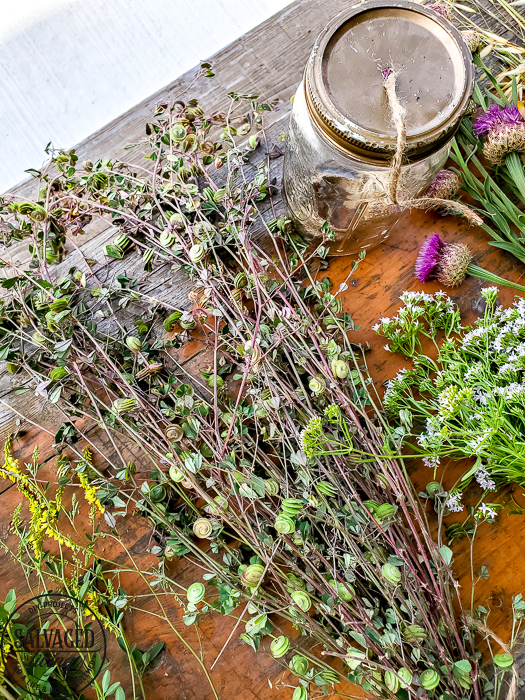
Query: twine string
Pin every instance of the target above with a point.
(398, 115)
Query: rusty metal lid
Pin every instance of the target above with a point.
(344, 81)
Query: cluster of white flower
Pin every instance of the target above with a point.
(476, 444)
(511, 391)
(485, 511)
(432, 462)
(453, 503)
(483, 478)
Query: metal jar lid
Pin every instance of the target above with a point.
(344, 81)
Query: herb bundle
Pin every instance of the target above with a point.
(277, 455)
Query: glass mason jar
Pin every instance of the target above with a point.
(341, 138)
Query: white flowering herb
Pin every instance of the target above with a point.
(469, 401)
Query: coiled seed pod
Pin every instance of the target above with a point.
(167, 238)
(300, 693)
(504, 660)
(294, 583)
(340, 369)
(195, 592)
(240, 280)
(51, 323)
(329, 676)
(405, 677)
(58, 373)
(187, 325)
(302, 600)
(202, 528)
(344, 590)
(124, 405)
(414, 633)
(429, 679)
(432, 488)
(170, 322)
(176, 474)
(133, 343)
(174, 433)
(392, 682)
(291, 506)
(58, 305)
(391, 573)
(197, 252)
(326, 489)
(271, 487)
(251, 575)
(236, 295)
(299, 665)
(317, 385)
(371, 505)
(284, 524)
(279, 646)
(386, 511)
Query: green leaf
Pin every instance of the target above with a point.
(447, 554)
(120, 694)
(106, 679)
(10, 601)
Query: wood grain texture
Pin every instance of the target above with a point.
(270, 61)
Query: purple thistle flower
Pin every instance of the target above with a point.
(496, 118)
(429, 257)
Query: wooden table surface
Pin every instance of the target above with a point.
(269, 61)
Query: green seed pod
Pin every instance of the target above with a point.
(124, 405)
(329, 676)
(38, 339)
(391, 573)
(240, 280)
(148, 255)
(174, 433)
(58, 305)
(371, 505)
(414, 633)
(279, 646)
(133, 343)
(291, 506)
(167, 238)
(302, 600)
(178, 133)
(405, 677)
(429, 679)
(87, 165)
(504, 660)
(236, 295)
(188, 325)
(271, 487)
(195, 592)
(197, 252)
(326, 489)
(251, 575)
(294, 583)
(202, 528)
(386, 511)
(58, 373)
(340, 369)
(176, 474)
(299, 665)
(52, 325)
(284, 524)
(317, 385)
(392, 682)
(344, 590)
(300, 693)
(169, 552)
(432, 488)
(170, 322)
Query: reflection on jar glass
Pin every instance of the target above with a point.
(341, 139)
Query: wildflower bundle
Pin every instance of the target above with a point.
(468, 402)
(276, 454)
